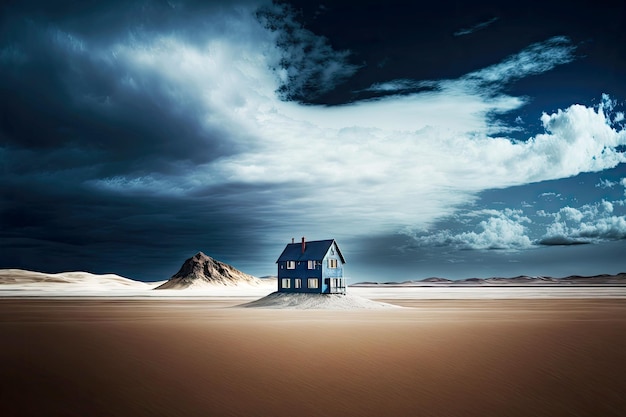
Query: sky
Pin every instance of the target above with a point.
(459, 140)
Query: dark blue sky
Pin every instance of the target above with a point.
(456, 140)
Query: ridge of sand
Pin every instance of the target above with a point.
(521, 280)
(295, 301)
(24, 279)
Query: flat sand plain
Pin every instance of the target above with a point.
(159, 357)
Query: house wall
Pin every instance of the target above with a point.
(301, 271)
(327, 272)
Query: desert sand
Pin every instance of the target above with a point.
(189, 357)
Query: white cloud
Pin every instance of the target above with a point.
(476, 27)
(395, 86)
(586, 224)
(370, 166)
(535, 59)
(569, 213)
(503, 230)
(478, 91)
(606, 184)
(578, 139)
(613, 227)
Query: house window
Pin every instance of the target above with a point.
(313, 283)
(332, 263)
(297, 283)
(291, 264)
(311, 264)
(286, 283)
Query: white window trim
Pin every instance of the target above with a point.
(314, 281)
(332, 263)
(291, 264)
(297, 283)
(311, 265)
(286, 281)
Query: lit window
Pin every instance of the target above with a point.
(332, 263)
(311, 264)
(313, 283)
(297, 283)
(291, 264)
(286, 283)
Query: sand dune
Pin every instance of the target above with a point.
(242, 290)
(15, 282)
(18, 282)
(522, 280)
(71, 281)
(278, 300)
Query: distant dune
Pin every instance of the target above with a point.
(202, 275)
(22, 279)
(522, 280)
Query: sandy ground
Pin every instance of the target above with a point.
(172, 357)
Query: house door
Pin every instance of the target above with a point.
(334, 285)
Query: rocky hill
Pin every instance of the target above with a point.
(203, 271)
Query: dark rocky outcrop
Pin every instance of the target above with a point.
(202, 270)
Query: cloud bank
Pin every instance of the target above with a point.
(517, 229)
(200, 107)
(501, 230)
(586, 224)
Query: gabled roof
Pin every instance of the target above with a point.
(314, 251)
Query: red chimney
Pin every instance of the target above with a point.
(303, 244)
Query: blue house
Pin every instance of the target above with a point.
(311, 267)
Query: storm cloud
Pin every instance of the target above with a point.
(136, 133)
